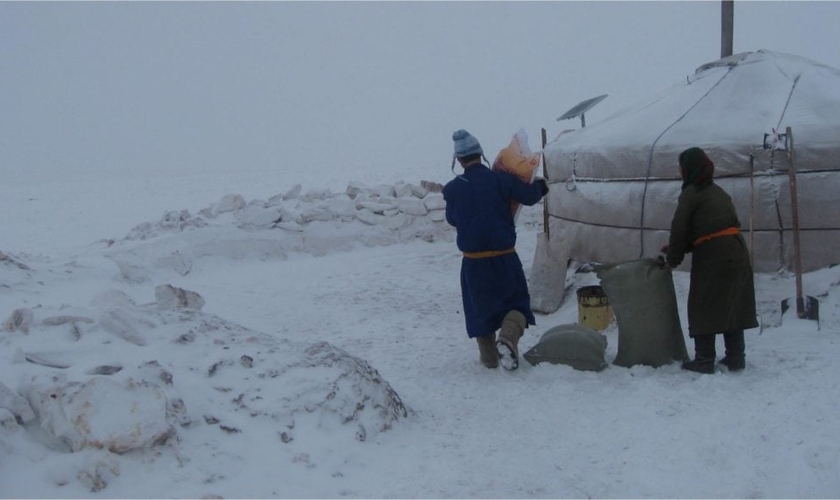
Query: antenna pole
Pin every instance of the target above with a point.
(727, 21)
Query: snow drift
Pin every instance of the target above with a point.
(101, 377)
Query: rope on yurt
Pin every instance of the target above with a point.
(616, 226)
(782, 116)
(650, 159)
(790, 95)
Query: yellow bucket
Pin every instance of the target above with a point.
(594, 309)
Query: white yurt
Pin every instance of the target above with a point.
(615, 183)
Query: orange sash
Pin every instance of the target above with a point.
(488, 253)
(729, 231)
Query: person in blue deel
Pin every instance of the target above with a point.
(493, 286)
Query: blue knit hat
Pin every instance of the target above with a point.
(466, 144)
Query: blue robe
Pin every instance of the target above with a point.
(478, 206)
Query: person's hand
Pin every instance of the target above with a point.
(663, 264)
(664, 250)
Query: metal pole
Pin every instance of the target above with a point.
(727, 21)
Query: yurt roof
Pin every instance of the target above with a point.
(725, 106)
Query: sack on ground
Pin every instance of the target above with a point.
(575, 345)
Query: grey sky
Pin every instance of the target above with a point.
(113, 88)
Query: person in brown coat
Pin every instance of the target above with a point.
(721, 296)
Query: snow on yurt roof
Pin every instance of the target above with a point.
(726, 107)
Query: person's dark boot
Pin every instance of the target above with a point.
(734, 358)
(513, 326)
(704, 355)
(487, 350)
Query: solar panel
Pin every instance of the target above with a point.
(580, 108)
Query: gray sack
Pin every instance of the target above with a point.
(575, 345)
(642, 295)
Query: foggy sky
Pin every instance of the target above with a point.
(112, 89)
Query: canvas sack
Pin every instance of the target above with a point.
(575, 345)
(642, 296)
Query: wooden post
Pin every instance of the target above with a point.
(752, 208)
(545, 176)
(794, 206)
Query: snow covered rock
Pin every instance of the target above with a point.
(229, 203)
(98, 470)
(177, 221)
(314, 195)
(292, 193)
(434, 201)
(179, 261)
(16, 404)
(343, 207)
(436, 206)
(125, 324)
(64, 319)
(258, 216)
(437, 215)
(170, 297)
(131, 267)
(75, 323)
(403, 190)
(431, 186)
(172, 221)
(317, 212)
(357, 393)
(8, 259)
(391, 220)
(20, 319)
(354, 188)
(100, 413)
(384, 190)
(316, 223)
(376, 205)
(8, 423)
(97, 393)
(412, 206)
(419, 191)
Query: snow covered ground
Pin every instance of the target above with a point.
(322, 353)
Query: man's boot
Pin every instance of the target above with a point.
(513, 326)
(704, 355)
(487, 350)
(734, 358)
